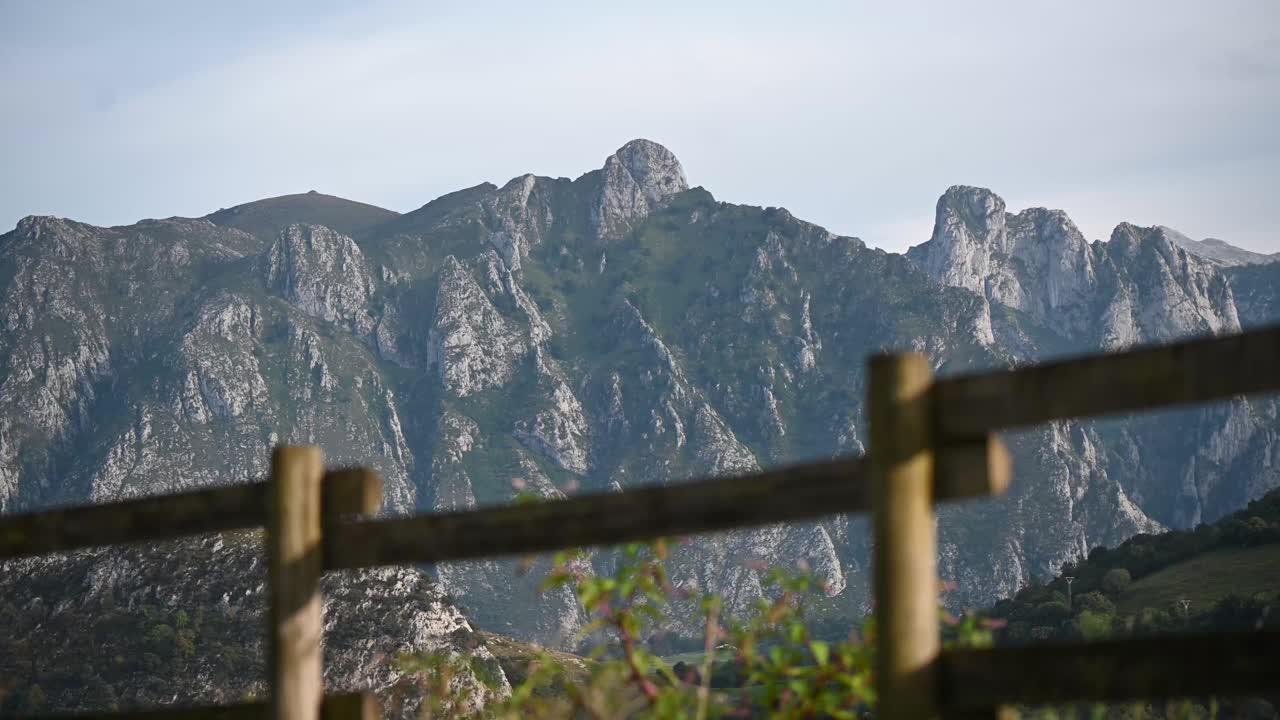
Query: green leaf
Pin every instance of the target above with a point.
(821, 652)
(775, 655)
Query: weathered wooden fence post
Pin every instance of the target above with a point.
(906, 580)
(294, 567)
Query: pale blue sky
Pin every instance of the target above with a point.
(850, 114)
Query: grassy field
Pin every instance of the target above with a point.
(1206, 579)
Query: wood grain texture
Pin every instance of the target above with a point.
(904, 560)
(294, 566)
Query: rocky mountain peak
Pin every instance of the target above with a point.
(969, 225)
(36, 227)
(1055, 256)
(635, 179)
(1135, 242)
(1216, 243)
(1141, 286)
(1053, 226)
(977, 211)
(654, 168)
(1163, 290)
(1130, 239)
(34, 223)
(1219, 252)
(516, 217)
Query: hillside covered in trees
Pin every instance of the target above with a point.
(1218, 576)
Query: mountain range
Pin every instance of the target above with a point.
(619, 329)
(1220, 251)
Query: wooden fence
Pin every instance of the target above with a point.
(930, 440)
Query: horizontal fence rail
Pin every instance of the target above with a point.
(796, 493)
(1111, 670)
(166, 517)
(220, 509)
(345, 706)
(799, 492)
(1195, 371)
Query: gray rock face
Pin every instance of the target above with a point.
(519, 214)
(1256, 289)
(74, 298)
(472, 346)
(654, 169)
(1139, 287)
(554, 336)
(969, 227)
(559, 432)
(226, 383)
(635, 180)
(324, 274)
(1169, 292)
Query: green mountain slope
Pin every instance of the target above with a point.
(1218, 576)
(1205, 580)
(266, 218)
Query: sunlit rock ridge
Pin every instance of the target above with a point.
(620, 329)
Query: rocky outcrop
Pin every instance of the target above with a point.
(559, 432)
(471, 345)
(1139, 287)
(324, 274)
(1036, 262)
(519, 215)
(1256, 289)
(968, 229)
(57, 345)
(1167, 291)
(717, 450)
(635, 180)
(223, 379)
